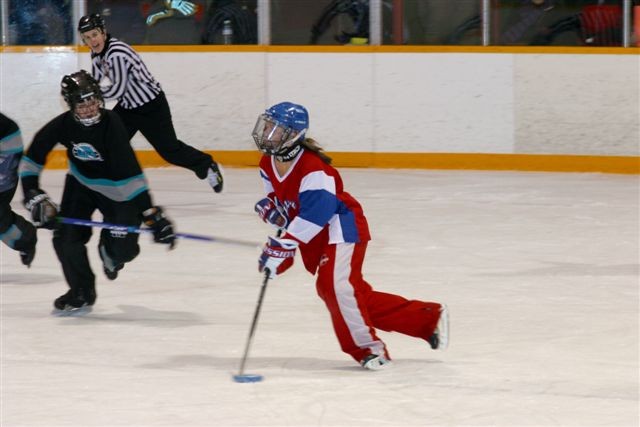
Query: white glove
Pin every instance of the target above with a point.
(153, 18)
(185, 7)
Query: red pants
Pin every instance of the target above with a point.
(357, 310)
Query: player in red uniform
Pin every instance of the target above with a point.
(306, 200)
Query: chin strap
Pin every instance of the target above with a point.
(290, 154)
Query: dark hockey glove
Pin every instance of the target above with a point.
(214, 176)
(277, 256)
(272, 212)
(155, 219)
(43, 210)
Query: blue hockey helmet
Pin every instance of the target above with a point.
(280, 130)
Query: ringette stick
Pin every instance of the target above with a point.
(132, 229)
(241, 377)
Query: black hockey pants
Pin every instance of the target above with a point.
(15, 231)
(153, 120)
(70, 241)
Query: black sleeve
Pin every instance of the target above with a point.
(143, 201)
(7, 126)
(36, 155)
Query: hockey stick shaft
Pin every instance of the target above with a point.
(254, 322)
(256, 314)
(139, 230)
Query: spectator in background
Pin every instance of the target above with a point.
(173, 21)
(356, 10)
(529, 14)
(595, 25)
(40, 22)
(126, 17)
(243, 19)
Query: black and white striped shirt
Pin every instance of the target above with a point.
(123, 75)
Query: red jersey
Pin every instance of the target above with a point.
(319, 210)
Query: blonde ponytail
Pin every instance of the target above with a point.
(312, 145)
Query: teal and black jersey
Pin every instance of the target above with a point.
(10, 153)
(100, 158)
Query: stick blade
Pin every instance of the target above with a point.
(248, 378)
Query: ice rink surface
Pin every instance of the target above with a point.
(540, 272)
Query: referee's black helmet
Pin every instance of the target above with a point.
(90, 22)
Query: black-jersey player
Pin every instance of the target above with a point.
(15, 231)
(104, 175)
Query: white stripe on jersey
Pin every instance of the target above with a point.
(303, 230)
(268, 187)
(335, 230)
(318, 180)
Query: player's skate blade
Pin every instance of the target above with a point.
(74, 312)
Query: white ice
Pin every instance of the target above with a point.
(540, 272)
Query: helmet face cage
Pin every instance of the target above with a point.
(88, 111)
(279, 129)
(272, 137)
(90, 22)
(83, 96)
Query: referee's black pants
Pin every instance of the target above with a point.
(70, 241)
(153, 120)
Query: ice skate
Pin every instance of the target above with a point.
(440, 338)
(71, 304)
(109, 266)
(375, 362)
(27, 255)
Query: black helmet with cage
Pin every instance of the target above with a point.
(90, 22)
(82, 94)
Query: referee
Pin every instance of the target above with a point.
(142, 104)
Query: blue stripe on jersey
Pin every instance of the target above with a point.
(317, 193)
(348, 225)
(119, 191)
(29, 168)
(11, 151)
(9, 164)
(11, 135)
(11, 236)
(11, 143)
(317, 206)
